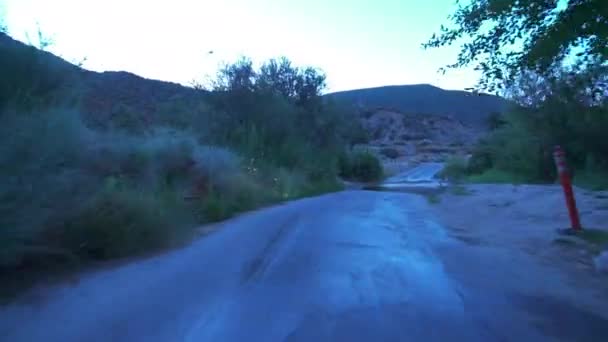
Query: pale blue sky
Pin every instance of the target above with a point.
(358, 43)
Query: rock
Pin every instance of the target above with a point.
(601, 262)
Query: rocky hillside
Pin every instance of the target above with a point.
(109, 95)
(403, 138)
(470, 108)
(410, 124)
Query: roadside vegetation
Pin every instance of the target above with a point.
(546, 112)
(556, 76)
(455, 169)
(361, 166)
(77, 189)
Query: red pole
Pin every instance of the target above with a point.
(564, 177)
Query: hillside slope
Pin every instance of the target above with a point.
(403, 139)
(467, 107)
(102, 95)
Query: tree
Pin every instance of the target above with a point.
(505, 37)
(309, 86)
(279, 76)
(239, 76)
(552, 110)
(587, 86)
(303, 85)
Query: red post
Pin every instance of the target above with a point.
(564, 177)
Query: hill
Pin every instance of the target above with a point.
(403, 140)
(101, 95)
(470, 108)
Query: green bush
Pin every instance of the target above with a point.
(553, 110)
(320, 187)
(481, 158)
(522, 154)
(241, 195)
(71, 191)
(41, 154)
(455, 169)
(360, 166)
(288, 184)
(121, 222)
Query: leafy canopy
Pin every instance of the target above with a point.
(503, 37)
(278, 76)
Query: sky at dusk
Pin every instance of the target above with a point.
(358, 43)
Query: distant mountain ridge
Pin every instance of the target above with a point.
(470, 108)
(111, 93)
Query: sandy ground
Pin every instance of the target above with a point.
(527, 218)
